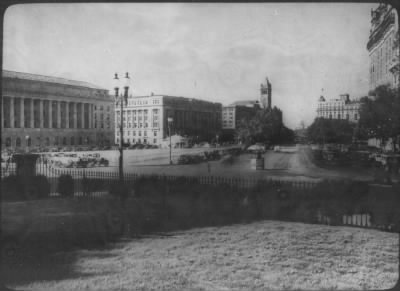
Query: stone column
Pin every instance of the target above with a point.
(41, 125)
(83, 115)
(32, 117)
(22, 112)
(90, 115)
(75, 108)
(50, 114)
(67, 114)
(58, 114)
(12, 112)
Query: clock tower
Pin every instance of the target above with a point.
(266, 94)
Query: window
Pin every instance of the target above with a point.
(8, 141)
(18, 142)
(155, 133)
(144, 133)
(139, 133)
(72, 141)
(355, 116)
(154, 140)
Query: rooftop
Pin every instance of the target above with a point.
(248, 103)
(48, 79)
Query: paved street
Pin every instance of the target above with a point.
(295, 165)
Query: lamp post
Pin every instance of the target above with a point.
(170, 120)
(120, 100)
(27, 143)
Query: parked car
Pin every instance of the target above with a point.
(256, 148)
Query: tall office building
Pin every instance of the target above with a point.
(145, 119)
(383, 47)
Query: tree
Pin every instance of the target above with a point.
(380, 117)
(330, 131)
(265, 126)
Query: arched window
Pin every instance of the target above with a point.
(80, 140)
(64, 141)
(18, 142)
(47, 141)
(72, 140)
(56, 140)
(28, 141)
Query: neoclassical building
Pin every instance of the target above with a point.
(145, 119)
(383, 52)
(42, 111)
(340, 108)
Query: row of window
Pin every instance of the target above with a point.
(133, 140)
(128, 133)
(338, 116)
(139, 111)
(47, 141)
(137, 125)
(101, 108)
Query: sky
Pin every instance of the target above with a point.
(216, 52)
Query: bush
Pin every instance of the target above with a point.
(119, 190)
(40, 187)
(65, 185)
(12, 189)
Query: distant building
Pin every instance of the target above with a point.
(145, 119)
(232, 114)
(42, 111)
(383, 53)
(342, 108)
(266, 94)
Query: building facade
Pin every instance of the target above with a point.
(341, 108)
(235, 112)
(232, 114)
(42, 112)
(145, 119)
(383, 47)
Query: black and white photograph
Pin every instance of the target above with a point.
(200, 146)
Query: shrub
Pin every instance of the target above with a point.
(119, 190)
(41, 186)
(65, 185)
(12, 188)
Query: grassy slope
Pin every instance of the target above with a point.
(256, 256)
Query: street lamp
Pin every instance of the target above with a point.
(120, 100)
(27, 143)
(170, 120)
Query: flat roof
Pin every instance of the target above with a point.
(48, 79)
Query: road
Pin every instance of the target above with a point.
(294, 165)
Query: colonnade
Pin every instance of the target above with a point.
(45, 113)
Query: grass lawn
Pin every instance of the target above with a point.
(256, 256)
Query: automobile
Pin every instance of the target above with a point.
(53, 150)
(139, 146)
(66, 149)
(102, 162)
(256, 148)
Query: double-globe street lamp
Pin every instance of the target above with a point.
(170, 120)
(120, 99)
